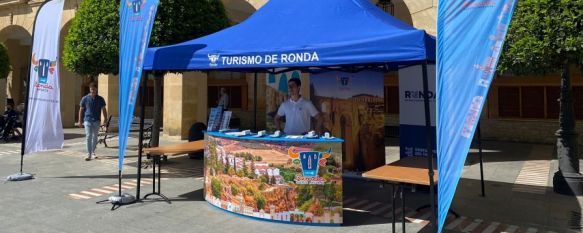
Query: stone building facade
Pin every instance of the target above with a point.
(181, 108)
(511, 112)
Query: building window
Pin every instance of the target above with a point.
(535, 102)
(235, 96)
(553, 94)
(578, 102)
(387, 6)
(391, 99)
(509, 101)
(149, 96)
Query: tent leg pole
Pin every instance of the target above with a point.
(119, 184)
(255, 102)
(481, 160)
(428, 135)
(141, 132)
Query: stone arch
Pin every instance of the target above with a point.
(401, 11)
(423, 13)
(18, 42)
(239, 10)
(70, 84)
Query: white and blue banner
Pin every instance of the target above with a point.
(44, 129)
(470, 36)
(136, 21)
(412, 130)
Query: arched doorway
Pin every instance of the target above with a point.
(18, 42)
(239, 86)
(71, 85)
(238, 10)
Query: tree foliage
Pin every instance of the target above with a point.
(182, 20)
(92, 45)
(4, 62)
(216, 187)
(543, 36)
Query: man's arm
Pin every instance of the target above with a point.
(80, 122)
(104, 115)
(316, 115)
(277, 118)
(318, 123)
(277, 121)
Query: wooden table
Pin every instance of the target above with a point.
(176, 149)
(172, 149)
(409, 170)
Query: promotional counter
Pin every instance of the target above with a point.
(278, 179)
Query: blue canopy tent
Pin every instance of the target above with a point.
(307, 35)
(301, 33)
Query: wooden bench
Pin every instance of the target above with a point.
(111, 129)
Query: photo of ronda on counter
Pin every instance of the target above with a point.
(278, 179)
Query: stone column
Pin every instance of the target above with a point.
(185, 102)
(108, 88)
(69, 85)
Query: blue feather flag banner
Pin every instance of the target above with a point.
(470, 36)
(136, 21)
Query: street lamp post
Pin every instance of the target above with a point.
(567, 180)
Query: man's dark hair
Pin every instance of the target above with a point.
(295, 80)
(93, 84)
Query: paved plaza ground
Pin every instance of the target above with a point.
(63, 196)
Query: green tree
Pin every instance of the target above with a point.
(4, 62)
(546, 37)
(264, 179)
(216, 187)
(260, 199)
(288, 174)
(92, 45)
(234, 190)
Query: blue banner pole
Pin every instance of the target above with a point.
(141, 137)
(428, 135)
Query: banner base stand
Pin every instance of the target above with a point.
(118, 201)
(19, 177)
(164, 198)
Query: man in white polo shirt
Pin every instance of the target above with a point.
(297, 112)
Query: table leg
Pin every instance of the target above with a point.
(159, 175)
(393, 206)
(154, 176)
(402, 207)
(157, 161)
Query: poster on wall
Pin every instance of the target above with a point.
(412, 131)
(299, 182)
(352, 107)
(276, 93)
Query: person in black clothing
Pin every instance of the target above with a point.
(8, 121)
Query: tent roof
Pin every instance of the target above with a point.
(301, 33)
